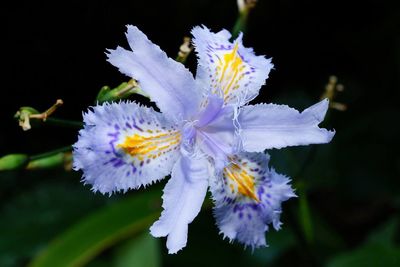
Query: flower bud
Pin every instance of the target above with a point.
(13, 162)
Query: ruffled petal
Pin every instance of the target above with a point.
(166, 81)
(229, 69)
(248, 197)
(124, 146)
(266, 126)
(182, 200)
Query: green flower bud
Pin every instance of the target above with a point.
(13, 162)
(122, 91)
(52, 161)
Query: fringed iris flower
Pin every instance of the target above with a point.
(206, 136)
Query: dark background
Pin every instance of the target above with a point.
(56, 50)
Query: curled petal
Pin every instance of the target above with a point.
(166, 81)
(182, 200)
(248, 198)
(228, 69)
(266, 126)
(124, 146)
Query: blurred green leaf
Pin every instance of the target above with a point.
(385, 234)
(279, 242)
(305, 215)
(379, 250)
(35, 215)
(370, 255)
(142, 251)
(100, 230)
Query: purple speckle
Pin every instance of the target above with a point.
(235, 208)
(240, 215)
(119, 163)
(249, 216)
(128, 125)
(138, 128)
(116, 126)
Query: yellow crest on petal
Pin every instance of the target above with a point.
(240, 179)
(149, 145)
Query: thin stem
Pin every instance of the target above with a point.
(240, 25)
(64, 123)
(50, 153)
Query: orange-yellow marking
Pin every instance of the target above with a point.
(152, 146)
(229, 69)
(244, 181)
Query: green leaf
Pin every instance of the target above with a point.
(279, 242)
(31, 218)
(143, 251)
(99, 231)
(379, 250)
(305, 215)
(385, 234)
(369, 255)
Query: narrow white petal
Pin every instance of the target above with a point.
(182, 200)
(166, 81)
(267, 126)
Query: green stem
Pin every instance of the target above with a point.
(240, 25)
(50, 153)
(64, 123)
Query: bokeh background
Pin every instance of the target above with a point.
(347, 213)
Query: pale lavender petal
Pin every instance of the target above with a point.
(248, 197)
(228, 69)
(217, 137)
(267, 126)
(182, 200)
(166, 81)
(124, 146)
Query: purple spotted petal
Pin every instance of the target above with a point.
(124, 146)
(228, 69)
(246, 218)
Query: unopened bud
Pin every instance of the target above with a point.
(122, 91)
(13, 162)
